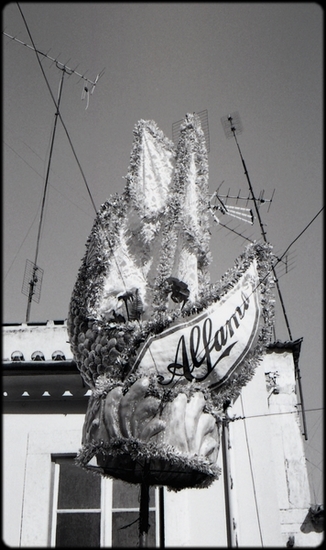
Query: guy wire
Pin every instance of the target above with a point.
(67, 134)
(32, 283)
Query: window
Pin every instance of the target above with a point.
(125, 514)
(92, 511)
(77, 505)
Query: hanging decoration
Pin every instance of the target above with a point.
(162, 348)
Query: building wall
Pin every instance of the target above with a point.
(265, 482)
(292, 486)
(193, 517)
(29, 440)
(254, 474)
(48, 337)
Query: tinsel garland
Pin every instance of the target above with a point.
(133, 176)
(163, 319)
(84, 311)
(176, 461)
(196, 240)
(87, 293)
(106, 350)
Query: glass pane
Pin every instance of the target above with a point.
(123, 536)
(80, 530)
(78, 488)
(127, 495)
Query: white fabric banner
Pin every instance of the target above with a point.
(209, 347)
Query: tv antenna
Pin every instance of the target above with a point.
(32, 284)
(33, 273)
(232, 127)
(260, 199)
(240, 212)
(64, 67)
(34, 279)
(203, 115)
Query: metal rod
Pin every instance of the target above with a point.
(162, 526)
(144, 508)
(298, 378)
(58, 63)
(250, 187)
(303, 411)
(233, 129)
(230, 506)
(32, 281)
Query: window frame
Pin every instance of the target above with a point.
(106, 509)
(156, 508)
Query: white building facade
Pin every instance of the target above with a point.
(262, 497)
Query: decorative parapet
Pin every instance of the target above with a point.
(21, 341)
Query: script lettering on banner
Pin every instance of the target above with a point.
(210, 346)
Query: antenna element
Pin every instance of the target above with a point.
(203, 115)
(32, 284)
(59, 65)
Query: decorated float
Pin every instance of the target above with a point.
(162, 348)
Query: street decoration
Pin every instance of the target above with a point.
(161, 347)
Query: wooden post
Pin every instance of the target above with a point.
(144, 508)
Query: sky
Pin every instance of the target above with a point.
(161, 61)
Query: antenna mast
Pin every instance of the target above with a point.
(232, 126)
(235, 130)
(231, 123)
(34, 274)
(34, 278)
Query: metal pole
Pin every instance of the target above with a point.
(298, 376)
(144, 508)
(230, 503)
(250, 187)
(263, 232)
(303, 412)
(162, 527)
(32, 282)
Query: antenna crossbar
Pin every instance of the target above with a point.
(240, 212)
(62, 66)
(248, 198)
(203, 115)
